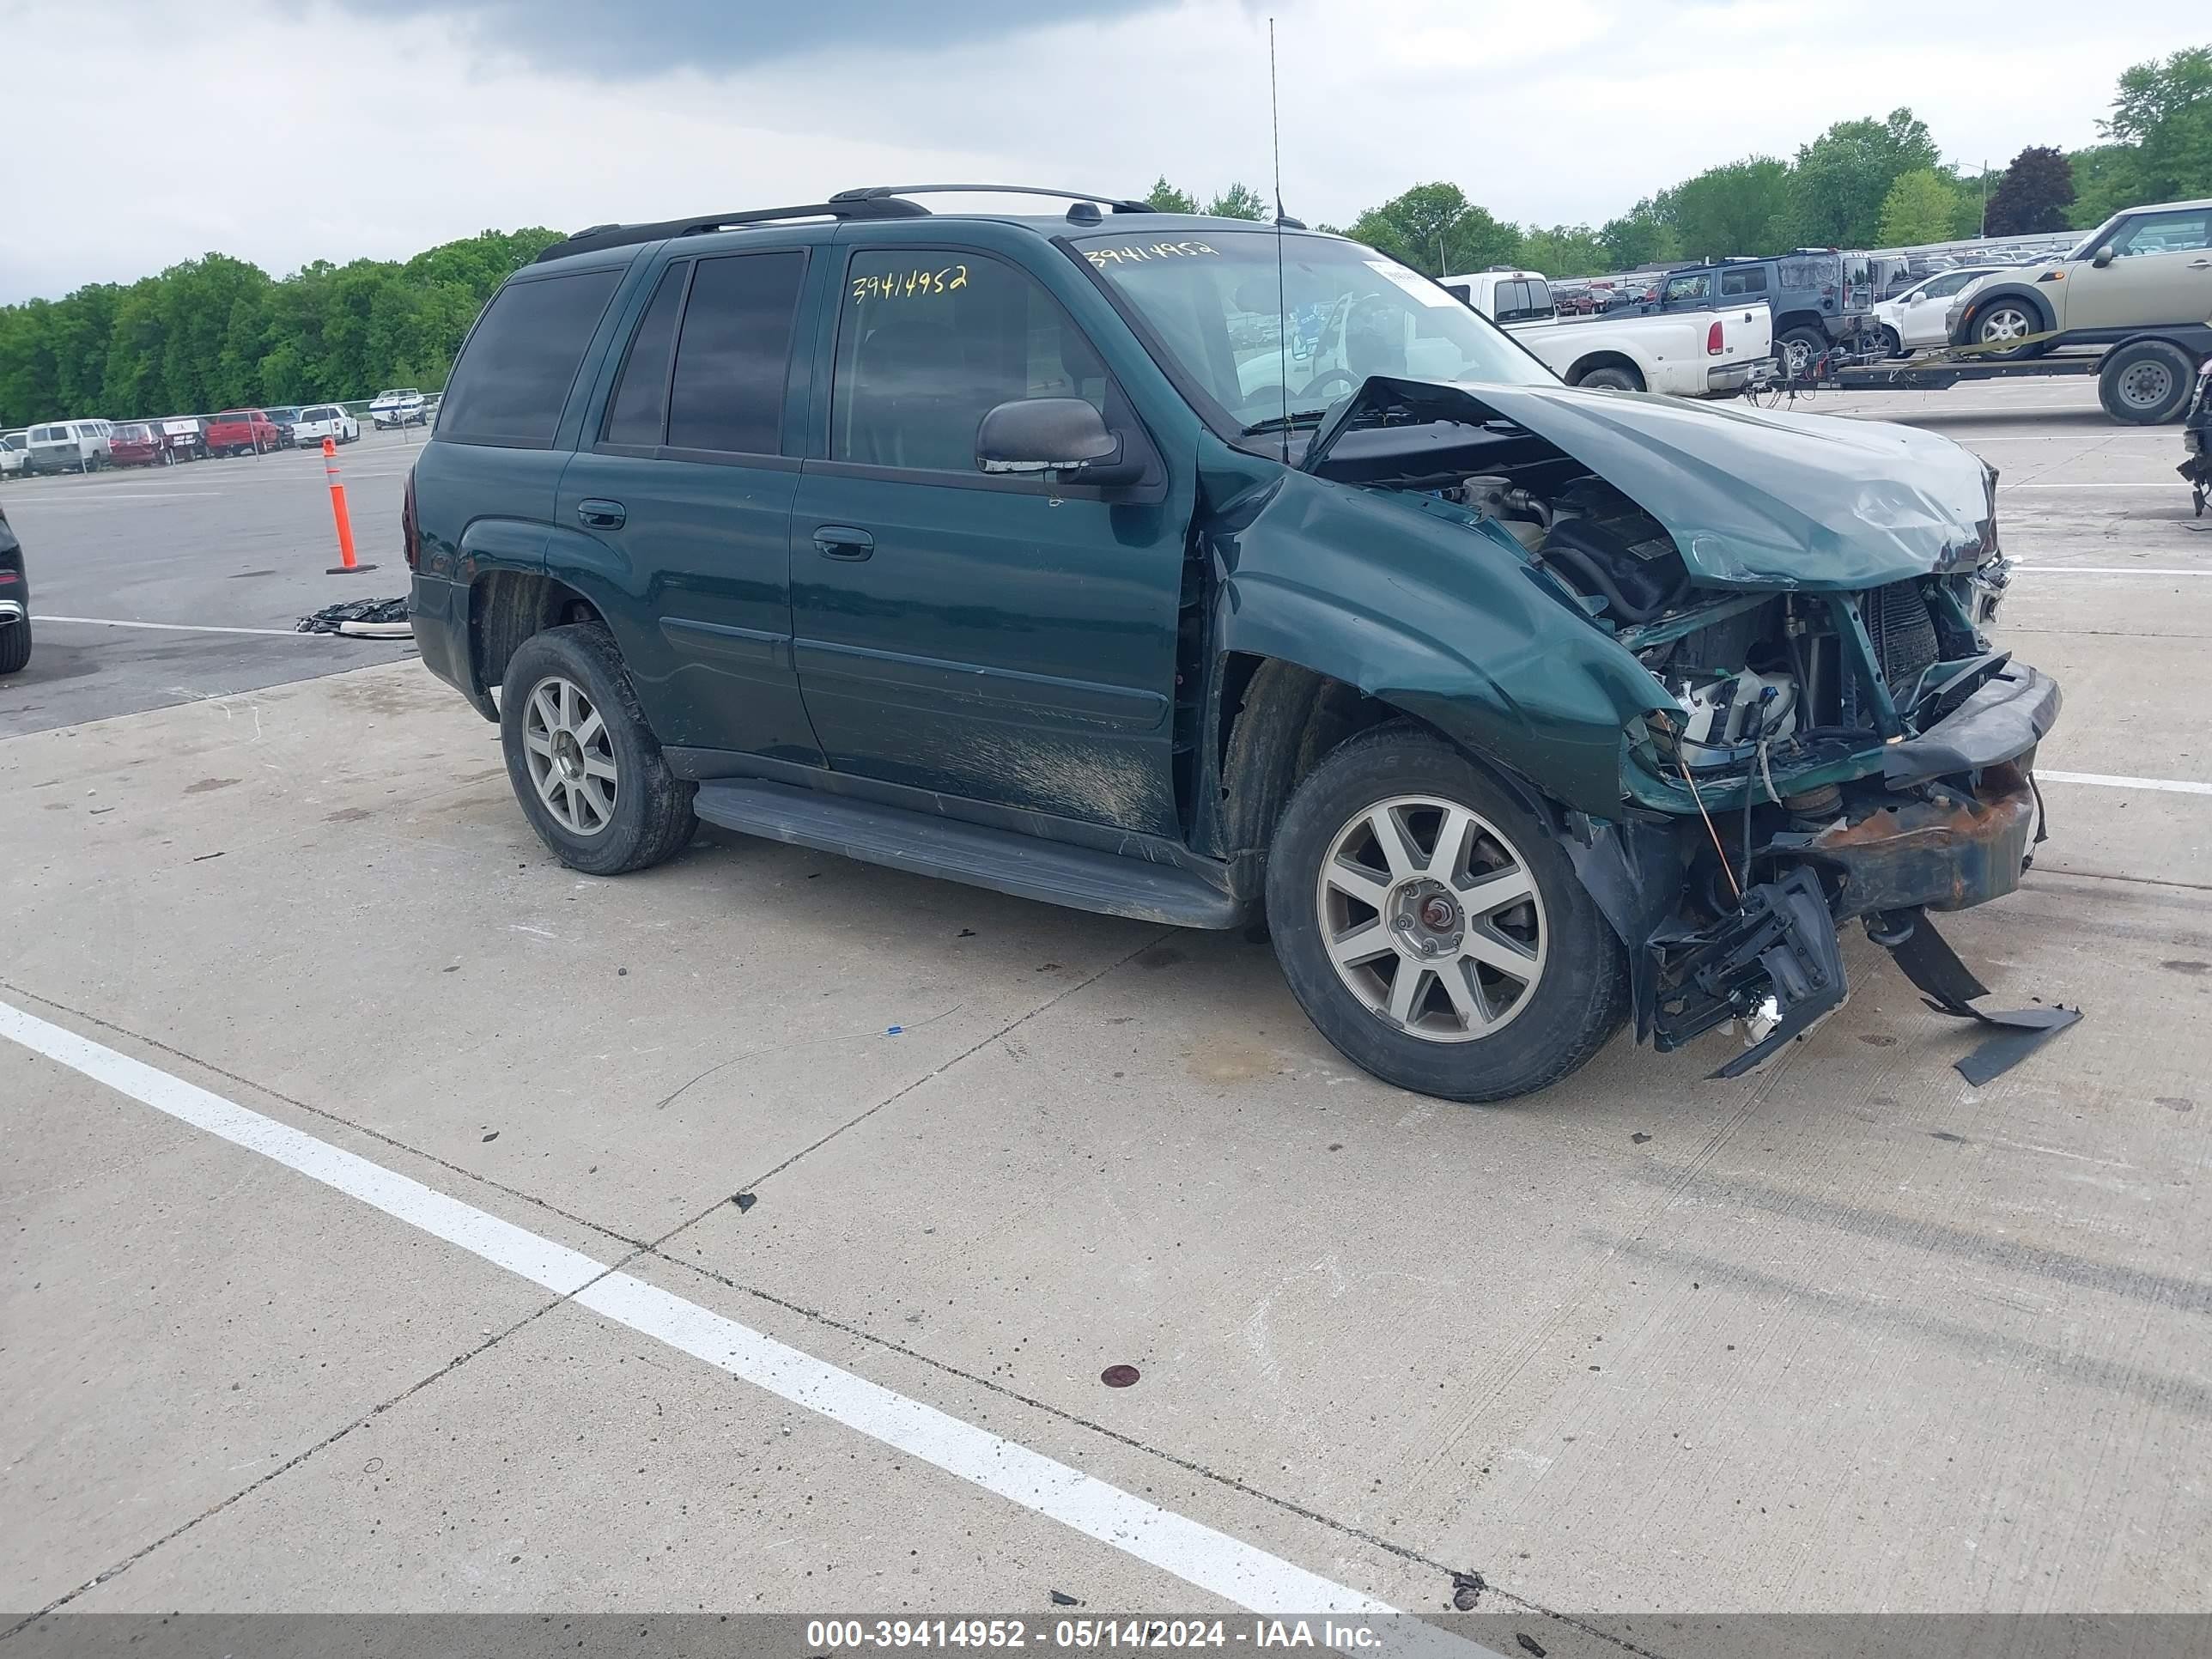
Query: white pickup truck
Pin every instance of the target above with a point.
(1704, 354)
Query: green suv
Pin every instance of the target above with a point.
(1208, 572)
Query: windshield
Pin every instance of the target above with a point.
(1341, 313)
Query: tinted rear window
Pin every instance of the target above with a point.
(733, 355)
(515, 372)
(634, 414)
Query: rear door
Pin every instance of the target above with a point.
(680, 497)
(2161, 272)
(1001, 639)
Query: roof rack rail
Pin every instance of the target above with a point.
(885, 192)
(845, 206)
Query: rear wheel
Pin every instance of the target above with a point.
(1799, 350)
(1611, 380)
(2146, 384)
(584, 763)
(15, 645)
(1431, 929)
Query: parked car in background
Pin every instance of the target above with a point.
(320, 421)
(1821, 298)
(240, 432)
(284, 418)
(184, 438)
(134, 443)
(1918, 316)
(2145, 267)
(15, 452)
(68, 446)
(401, 406)
(1709, 355)
(14, 601)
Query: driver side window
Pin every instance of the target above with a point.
(2188, 230)
(930, 341)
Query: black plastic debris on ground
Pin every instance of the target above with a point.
(1949, 986)
(331, 617)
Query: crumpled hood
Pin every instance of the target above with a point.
(1760, 498)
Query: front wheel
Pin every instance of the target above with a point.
(1431, 927)
(584, 763)
(1892, 344)
(2007, 323)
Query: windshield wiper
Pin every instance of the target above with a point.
(1289, 423)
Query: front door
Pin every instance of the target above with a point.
(1000, 639)
(2161, 272)
(685, 499)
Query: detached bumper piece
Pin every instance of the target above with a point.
(1950, 987)
(1775, 960)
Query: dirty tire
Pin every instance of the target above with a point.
(652, 818)
(1611, 380)
(15, 646)
(2148, 383)
(1580, 995)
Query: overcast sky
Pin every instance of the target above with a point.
(334, 129)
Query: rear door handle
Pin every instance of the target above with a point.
(602, 514)
(2200, 264)
(842, 541)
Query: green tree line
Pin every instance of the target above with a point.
(217, 332)
(1876, 182)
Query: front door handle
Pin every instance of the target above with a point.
(601, 514)
(2200, 264)
(842, 541)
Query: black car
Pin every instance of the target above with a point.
(284, 418)
(14, 601)
(1821, 297)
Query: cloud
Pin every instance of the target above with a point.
(380, 133)
(595, 38)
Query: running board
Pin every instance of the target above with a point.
(1005, 861)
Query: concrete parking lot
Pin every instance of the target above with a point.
(401, 1221)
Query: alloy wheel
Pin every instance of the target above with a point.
(2005, 324)
(1432, 918)
(571, 754)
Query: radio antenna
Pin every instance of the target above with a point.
(1282, 308)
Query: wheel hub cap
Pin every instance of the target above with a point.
(1432, 918)
(570, 755)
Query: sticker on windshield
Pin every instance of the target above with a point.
(1411, 281)
(1139, 253)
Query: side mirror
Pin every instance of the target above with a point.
(2103, 259)
(1051, 434)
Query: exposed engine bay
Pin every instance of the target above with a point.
(1817, 755)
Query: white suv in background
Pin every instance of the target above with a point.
(1911, 321)
(320, 421)
(15, 451)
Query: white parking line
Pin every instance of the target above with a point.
(1190, 1551)
(2154, 484)
(2110, 570)
(45, 616)
(110, 496)
(2167, 785)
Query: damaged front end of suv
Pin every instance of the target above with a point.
(1801, 608)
